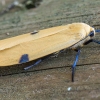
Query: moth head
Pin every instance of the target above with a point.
(92, 34)
(90, 31)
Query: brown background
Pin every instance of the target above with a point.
(51, 79)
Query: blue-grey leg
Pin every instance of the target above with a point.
(92, 40)
(98, 30)
(74, 64)
(24, 58)
(96, 41)
(36, 63)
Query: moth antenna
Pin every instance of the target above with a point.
(74, 64)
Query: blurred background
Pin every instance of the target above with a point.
(51, 80)
(22, 16)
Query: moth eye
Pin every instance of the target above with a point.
(91, 33)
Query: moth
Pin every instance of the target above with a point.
(39, 44)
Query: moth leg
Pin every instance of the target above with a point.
(57, 53)
(92, 40)
(89, 41)
(36, 63)
(96, 41)
(74, 64)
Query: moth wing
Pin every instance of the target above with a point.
(37, 47)
(8, 43)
